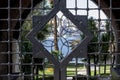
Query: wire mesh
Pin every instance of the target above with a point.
(23, 60)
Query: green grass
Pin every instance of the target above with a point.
(47, 71)
(71, 71)
(101, 71)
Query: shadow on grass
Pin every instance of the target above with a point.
(78, 78)
(47, 78)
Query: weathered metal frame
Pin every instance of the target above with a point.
(60, 67)
(40, 51)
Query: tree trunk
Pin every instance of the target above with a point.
(55, 35)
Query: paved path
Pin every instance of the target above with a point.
(104, 79)
(84, 72)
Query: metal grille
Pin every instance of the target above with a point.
(59, 40)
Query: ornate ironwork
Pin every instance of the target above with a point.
(39, 23)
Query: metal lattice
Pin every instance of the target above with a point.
(59, 40)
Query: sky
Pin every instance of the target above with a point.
(83, 4)
(63, 45)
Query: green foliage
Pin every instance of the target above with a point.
(44, 33)
(93, 47)
(99, 43)
(26, 46)
(27, 60)
(57, 54)
(104, 37)
(92, 24)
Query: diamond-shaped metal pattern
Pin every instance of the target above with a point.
(68, 36)
(40, 51)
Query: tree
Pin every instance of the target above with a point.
(26, 46)
(92, 26)
(55, 34)
(106, 38)
(55, 52)
(93, 46)
(99, 43)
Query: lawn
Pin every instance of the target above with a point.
(100, 71)
(72, 70)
